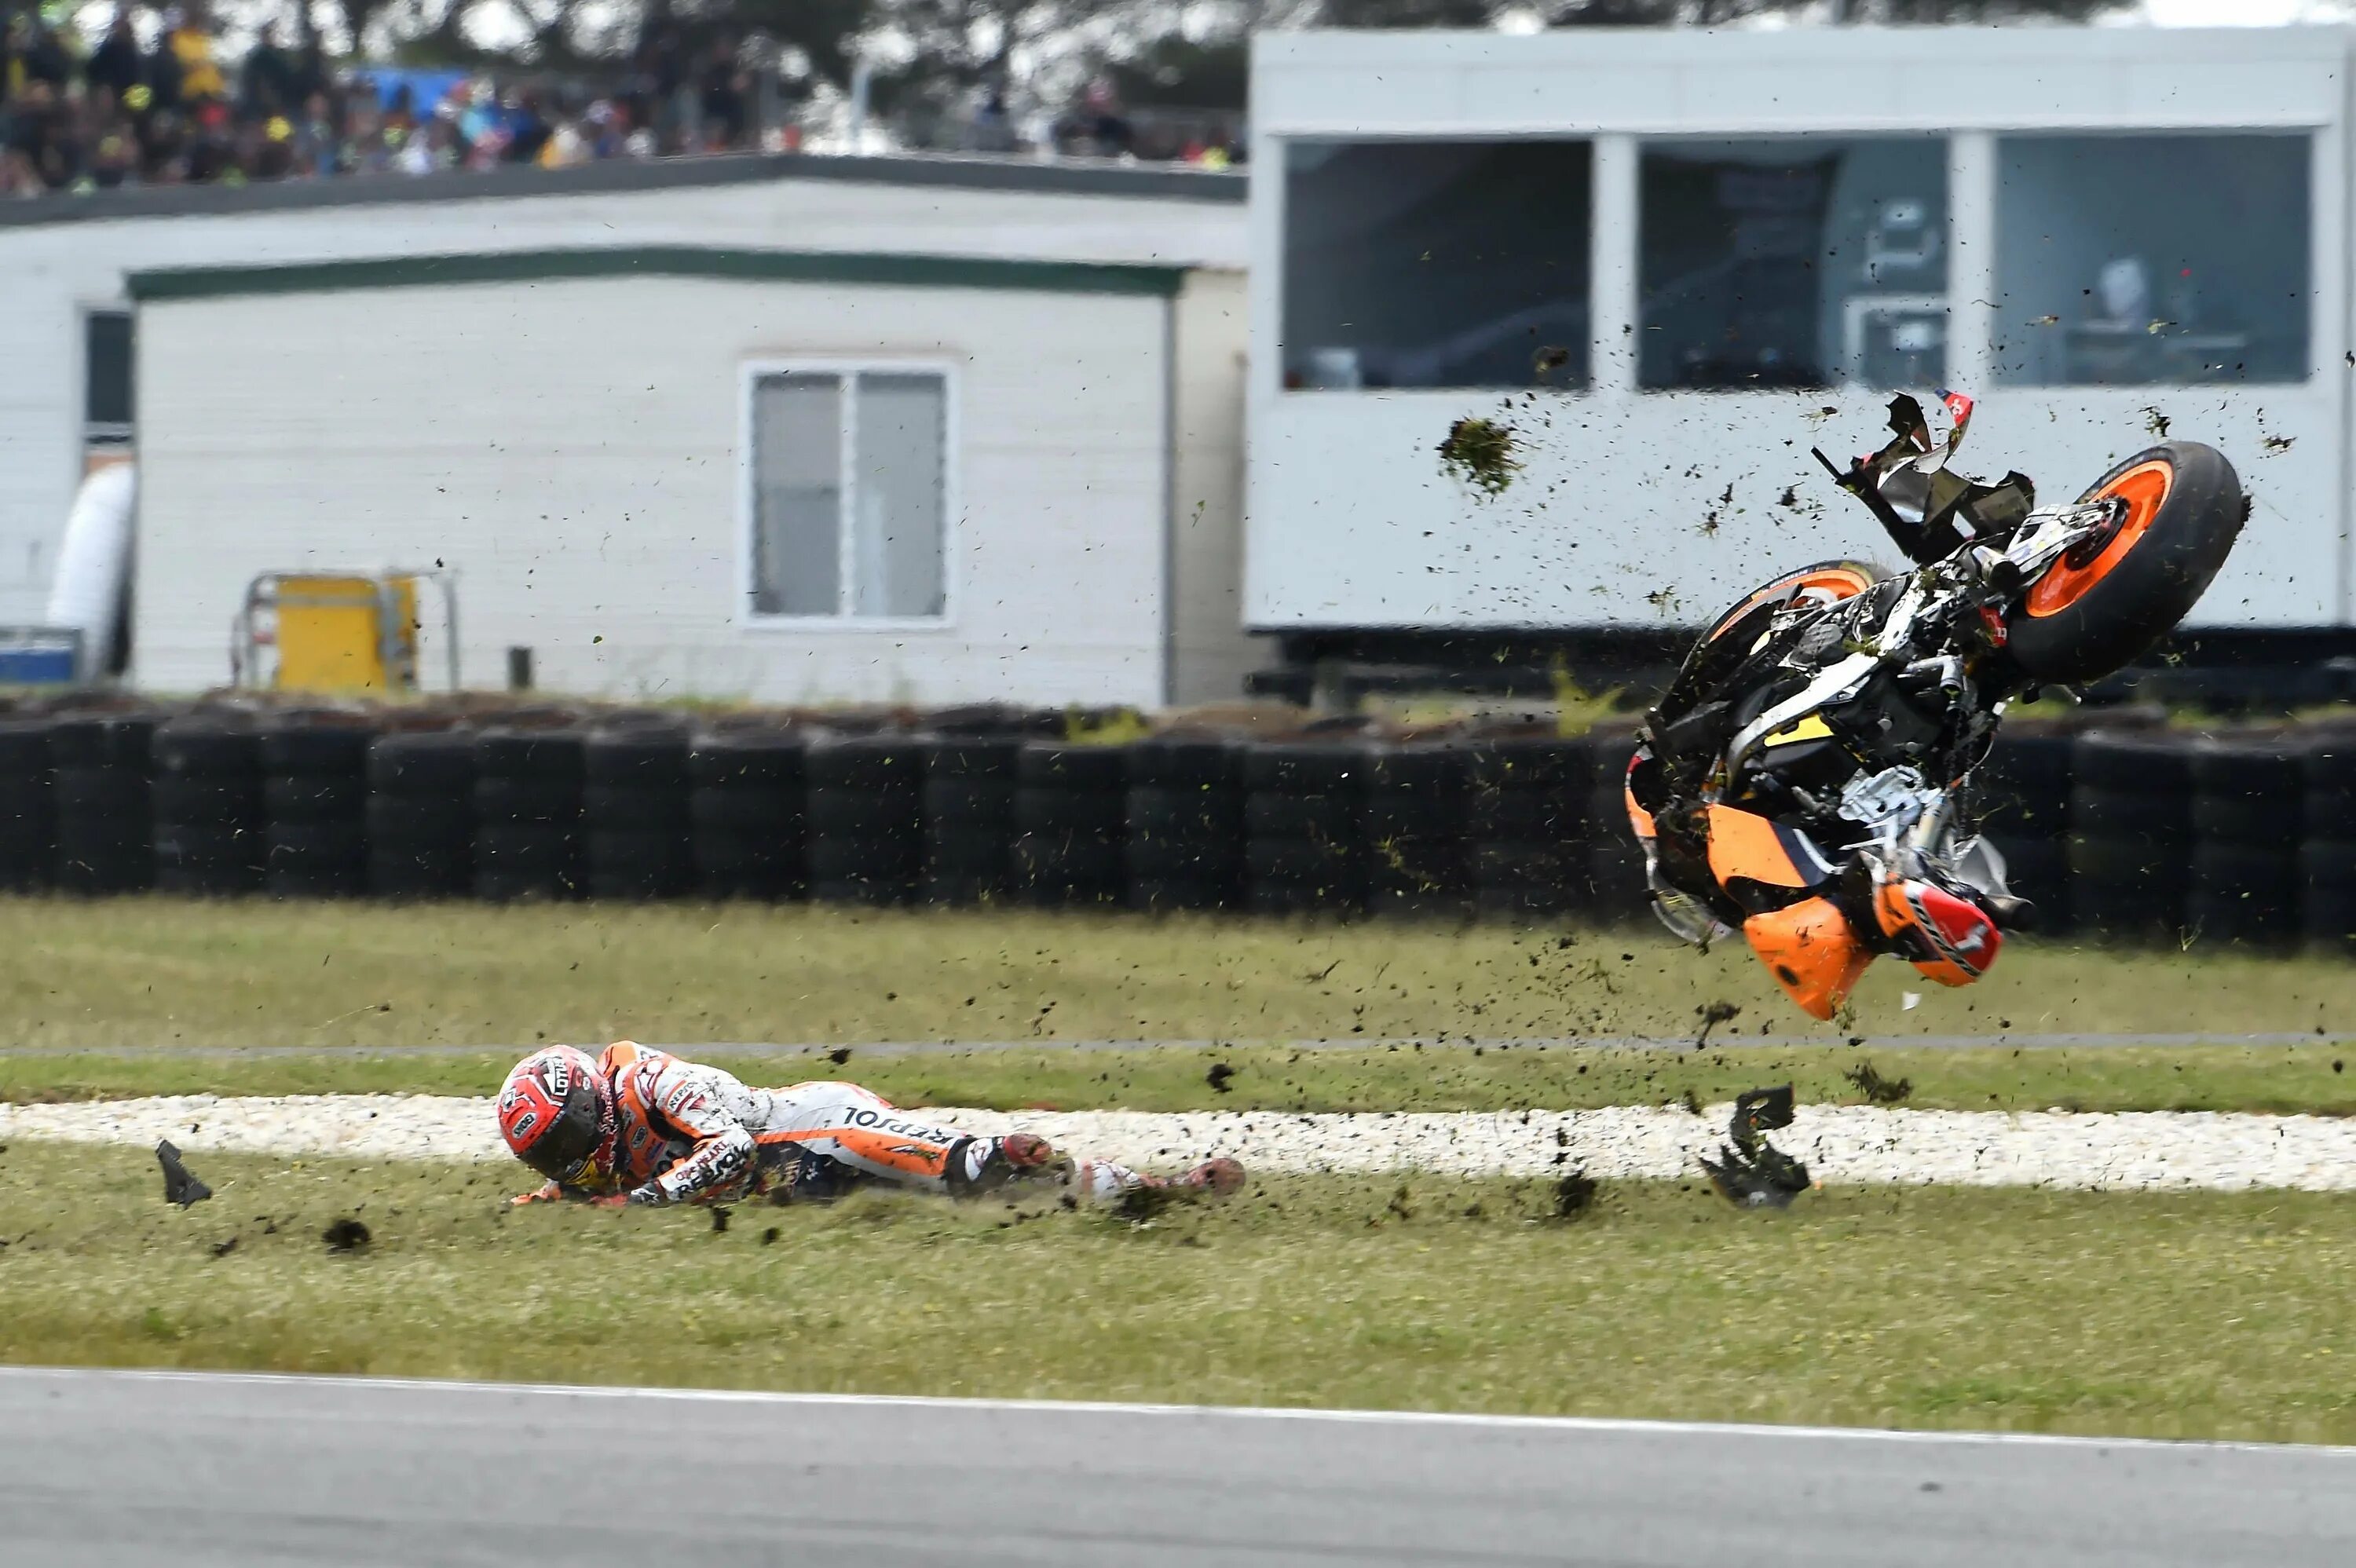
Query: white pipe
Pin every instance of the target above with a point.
(93, 563)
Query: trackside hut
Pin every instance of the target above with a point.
(1672, 260)
(932, 445)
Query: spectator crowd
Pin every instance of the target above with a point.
(154, 103)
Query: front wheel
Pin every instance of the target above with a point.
(2109, 598)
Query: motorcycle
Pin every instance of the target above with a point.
(1807, 778)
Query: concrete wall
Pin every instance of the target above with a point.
(1622, 515)
(50, 272)
(571, 448)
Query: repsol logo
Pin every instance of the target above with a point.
(878, 1121)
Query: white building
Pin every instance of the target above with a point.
(774, 429)
(1673, 260)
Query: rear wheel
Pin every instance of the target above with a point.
(2108, 599)
(1827, 582)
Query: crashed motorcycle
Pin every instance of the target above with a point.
(1807, 779)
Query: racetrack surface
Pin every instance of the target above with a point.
(196, 1470)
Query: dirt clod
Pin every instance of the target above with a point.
(838, 1055)
(1574, 1194)
(1877, 1089)
(345, 1235)
(718, 1220)
(1220, 1075)
(1481, 452)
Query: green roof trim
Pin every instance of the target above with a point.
(664, 262)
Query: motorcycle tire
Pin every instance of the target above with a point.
(1829, 581)
(2085, 618)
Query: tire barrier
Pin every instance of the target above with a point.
(314, 793)
(1614, 886)
(1304, 838)
(1071, 821)
(1184, 847)
(637, 830)
(2247, 820)
(1418, 821)
(866, 814)
(2327, 851)
(101, 771)
(2246, 837)
(212, 821)
(1529, 812)
(28, 834)
(744, 809)
(2131, 833)
(2024, 802)
(420, 814)
(528, 794)
(968, 819)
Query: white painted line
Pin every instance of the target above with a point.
(1113, 1407)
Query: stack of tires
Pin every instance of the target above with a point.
(28, 838)
(2327, 850)
(1614, 886)
(745, 806)
(528, 786)
(1304, 835)
(211, 819)
(1417, 820)
(2023, 787)
(1528, 814)
(101, 770)
(1185, 844)
(866, 816)
(421, 814)
(969, 815)
(314, 790)
(2247, 812)
(2130, 833)
(1071, 815)
(633, 807)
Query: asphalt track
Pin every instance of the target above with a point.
(706, 1048)
(193, 1470)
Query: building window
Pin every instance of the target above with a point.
(1805, 262)
(106, 378)
(847, 471)
(2142, 261)
(1456, 264)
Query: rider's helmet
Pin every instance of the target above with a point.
(556, 1112)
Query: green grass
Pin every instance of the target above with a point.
(140, 972)
(2284, 1079)
(2207, 1315)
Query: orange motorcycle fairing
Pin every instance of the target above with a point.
(1812, 951)
(1744, 845)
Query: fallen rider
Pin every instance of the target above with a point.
(636, 1125)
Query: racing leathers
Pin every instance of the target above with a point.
(682, 1132)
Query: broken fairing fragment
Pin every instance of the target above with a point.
(1750, 1171)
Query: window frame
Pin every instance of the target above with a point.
(751, 373)
(97, 436)
(1943, 138)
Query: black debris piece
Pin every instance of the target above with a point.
(718, 1220)
(223, 1249)
(181, 1183)
(1880, 1091)
(1219, 1076)
(1574, 1194)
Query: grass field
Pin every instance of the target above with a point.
(2178, 1316)
(142, 971)
(2283, 1079)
